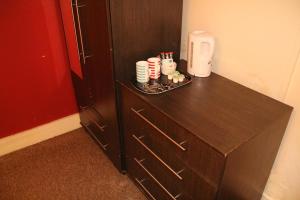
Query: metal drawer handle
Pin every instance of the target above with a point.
(96, 123)
(138, 113)
(103, 146)
(82, 53)
(101, 127)
(140, 182)
(155, 180)
(89, 113)
(158, 158)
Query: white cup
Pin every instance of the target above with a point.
(142, 71)
(142, 64)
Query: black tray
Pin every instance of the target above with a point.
(160, 85)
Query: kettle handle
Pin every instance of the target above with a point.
(211, 43)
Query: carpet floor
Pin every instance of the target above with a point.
(70, 166)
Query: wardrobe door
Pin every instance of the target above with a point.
(95, 88)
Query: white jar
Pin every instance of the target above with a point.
(168, 66)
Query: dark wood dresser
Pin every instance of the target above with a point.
(212, 139)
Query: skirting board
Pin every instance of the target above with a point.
(39, 134)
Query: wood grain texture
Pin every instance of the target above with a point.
(249, 166)
(141, 29)
(222, 113)
(232, 137)
(200, 157)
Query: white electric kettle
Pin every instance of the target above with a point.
(200, 52)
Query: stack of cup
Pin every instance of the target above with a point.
(154, 67)
(142, 71)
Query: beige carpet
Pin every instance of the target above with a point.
(70, 166)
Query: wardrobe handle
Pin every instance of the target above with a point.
(140, 183)
(138, 113)
(103, 146)
(82, 53)
(158, 158)
(155, 180)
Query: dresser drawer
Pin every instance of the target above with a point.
(146, 182)
(94, 124)
(102, 131)
(162, 185)
(176, 177)
(136, 110)
(171, 185)
(169, 140)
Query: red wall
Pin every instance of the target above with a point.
(35, 85)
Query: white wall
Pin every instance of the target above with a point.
(258, 43)
(257, 40)
(284, 182)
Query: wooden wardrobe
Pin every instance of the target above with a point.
(111, 35)
(212, 139)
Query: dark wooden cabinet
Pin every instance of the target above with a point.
(95, 92)
(111, 36)
(212, 139)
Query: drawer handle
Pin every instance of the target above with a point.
(88, 111)
(138, 113)
(98, 125)
(158, 158)
(103, 146)
(155, 180)
(140, 183)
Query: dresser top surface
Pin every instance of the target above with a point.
(222, 113)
